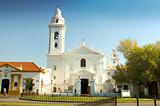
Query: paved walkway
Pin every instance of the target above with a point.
(17, 100)
(140, 104)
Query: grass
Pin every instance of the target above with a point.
(32, 104)
(132, 100)
(85, 99)
(71, 99)
(64, 98)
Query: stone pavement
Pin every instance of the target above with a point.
(140, 104)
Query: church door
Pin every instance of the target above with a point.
(5, 85)
(84, 86)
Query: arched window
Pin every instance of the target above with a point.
(56, 20)
(56, 45)
(83, 62)
(56, 35)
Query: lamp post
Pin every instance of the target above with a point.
(51, 86)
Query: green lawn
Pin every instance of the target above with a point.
(84, 99)
(70, 98)
(64, 98)
(131, 100)
(32, 104)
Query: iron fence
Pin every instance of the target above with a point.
(73, 100)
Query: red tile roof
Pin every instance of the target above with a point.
(23, 66)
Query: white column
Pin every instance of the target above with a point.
(92, 88)
(78, 87)
(0, 82)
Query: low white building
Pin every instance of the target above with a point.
(13, 77)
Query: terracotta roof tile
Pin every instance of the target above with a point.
(23, 66)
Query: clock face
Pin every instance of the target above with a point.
(6, 71)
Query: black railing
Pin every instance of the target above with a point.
(73, 100)
(154, 99)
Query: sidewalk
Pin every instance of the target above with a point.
(140, 104)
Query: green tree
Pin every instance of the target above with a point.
(121, 75)
(28, 85)
(127, 46)
(142, 63)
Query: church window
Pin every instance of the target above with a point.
(54, 67)
(56, 45)
(56, 35)
(114, 62)
(109, 73)
(56, 20)
(54, 77)
(54, 89)
(83, 62)
(114, 55)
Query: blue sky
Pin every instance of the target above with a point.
(102, 23)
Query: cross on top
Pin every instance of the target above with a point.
(58, 6)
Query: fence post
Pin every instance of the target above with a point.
(137, 101)
(155, 104)
(115, 101)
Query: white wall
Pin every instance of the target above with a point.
(34, 75)
(46, 77)
(36, 81)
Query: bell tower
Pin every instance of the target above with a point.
(114, 60)
(57, 30)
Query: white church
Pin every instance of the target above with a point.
(81, 71)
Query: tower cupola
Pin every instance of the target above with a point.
(58, 13)
(57, 18)
(57, 30)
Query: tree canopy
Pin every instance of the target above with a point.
(142, 63)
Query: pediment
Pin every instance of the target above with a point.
(9, 66)
(85, 73)
(84, 50)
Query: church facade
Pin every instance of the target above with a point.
(81, 70)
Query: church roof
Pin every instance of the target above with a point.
(83, 49)
(23, 66)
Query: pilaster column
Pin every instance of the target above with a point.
(19, 83)
(12, 82)
(78, 87)
(92, 87)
